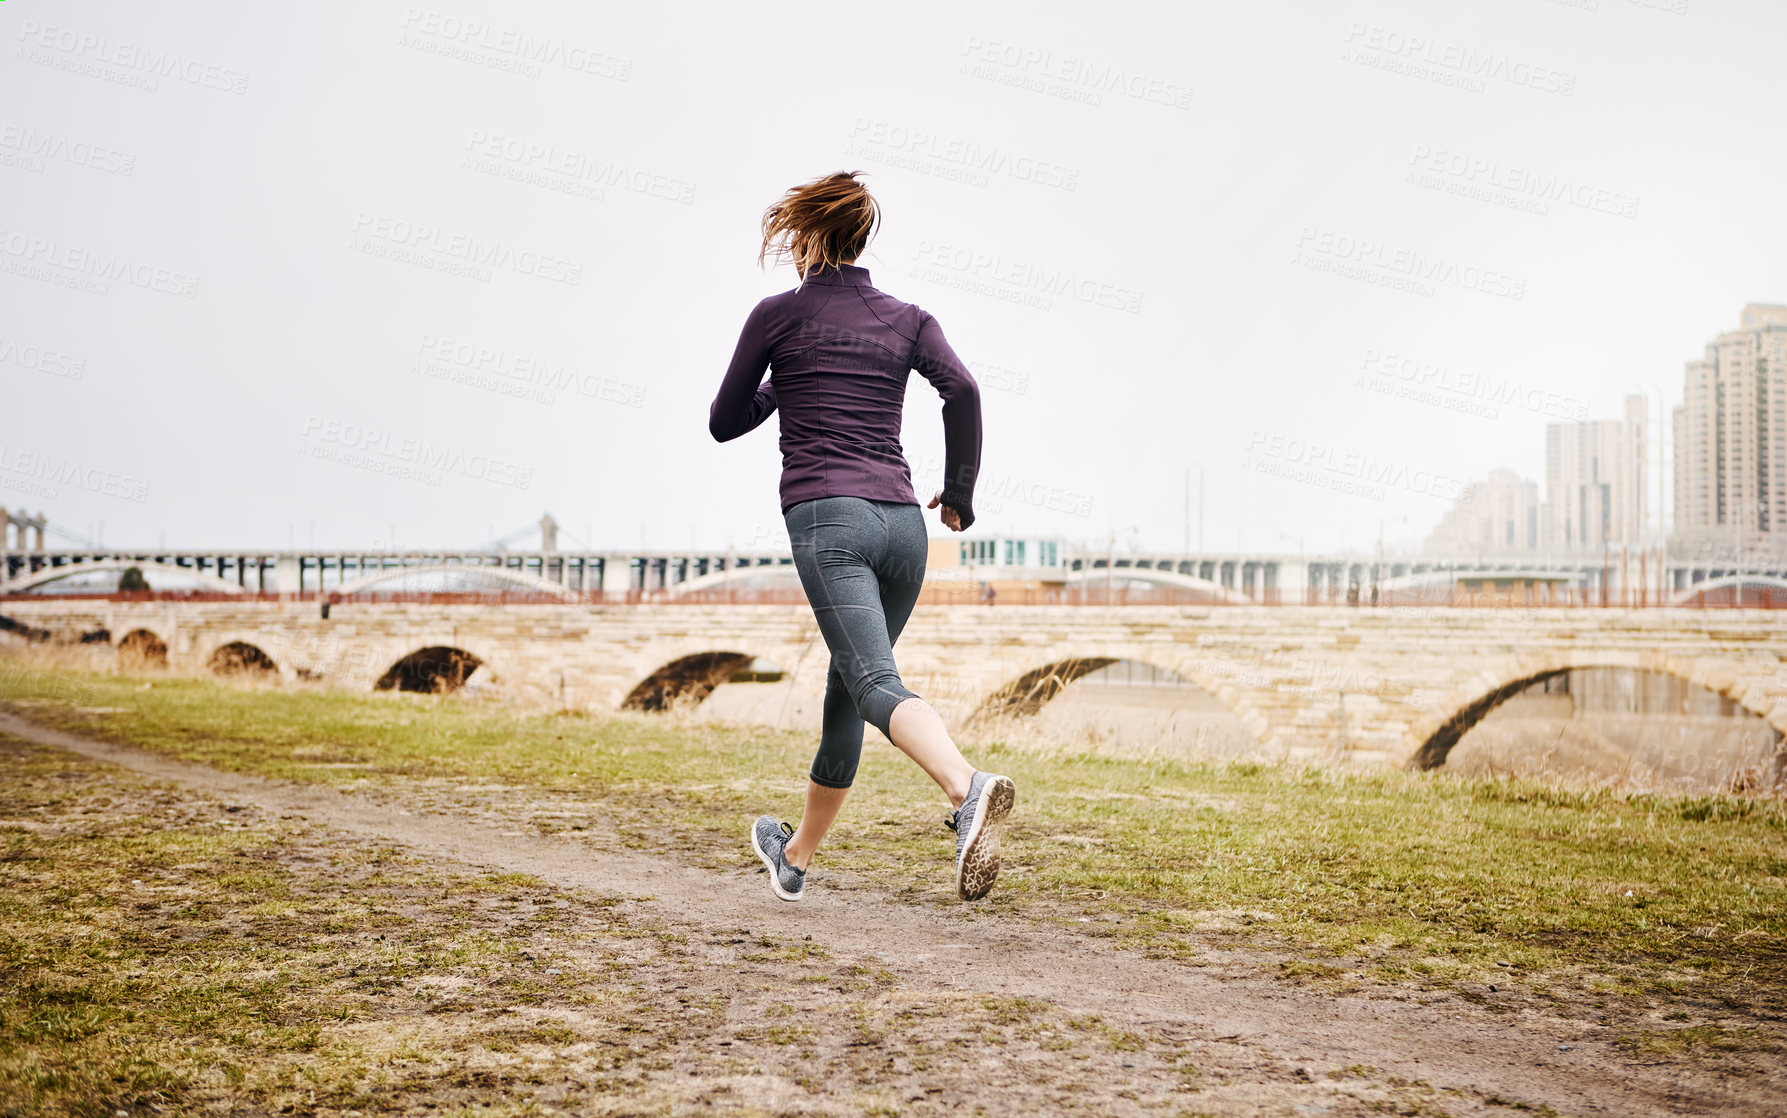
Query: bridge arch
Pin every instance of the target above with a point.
(1166, 579)
(435, 670)
(142, 648)
(1432, 737)
(687, 679)
(1775, 588)
(509, 577)
(779, 577)
(1028, 693)
(150, 569)
(241, 658)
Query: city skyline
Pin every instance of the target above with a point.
(403, 283)
(1502, 514)
(1574, 451)
(1723, 481)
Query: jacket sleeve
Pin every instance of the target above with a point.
(938, 363)
(744, 401)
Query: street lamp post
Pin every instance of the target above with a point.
(1662, 533)
(1200, 467)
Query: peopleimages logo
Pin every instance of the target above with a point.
(1449, 63)
(1346, 471)
(1016, 280)
(67, 49)
(517, 374)
(48, 471)
(953, 157)
(409, 458)
(1426, 377)
(33, 147)
(39, 359)
(1490, 180)
(999, 377)
(993, 489)
(567, 171)
(444, 250)
(505, 48)
(1405, 268)
(90, 270)
(1064, 76)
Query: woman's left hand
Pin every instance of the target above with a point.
(951, 518)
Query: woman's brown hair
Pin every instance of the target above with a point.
(821, 224)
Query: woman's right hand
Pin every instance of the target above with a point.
(951, 518)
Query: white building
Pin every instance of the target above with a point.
(1595, 491)
(1731, 439)
(1495, 517)
(1002, 551)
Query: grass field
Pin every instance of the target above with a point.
(1335, 877)
(149, 946)
(166, 953)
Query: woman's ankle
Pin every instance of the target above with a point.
(798, 860)
(957, 787)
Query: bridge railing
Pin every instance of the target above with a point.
(1576, 597)
(958, 594)
(721, 595)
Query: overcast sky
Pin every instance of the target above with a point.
(348, 270)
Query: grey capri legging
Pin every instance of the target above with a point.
(861, 563)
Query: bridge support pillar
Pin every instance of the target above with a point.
(617, 575)
(286, 575)
(1291, 580)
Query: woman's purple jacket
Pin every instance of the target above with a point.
(838, 354)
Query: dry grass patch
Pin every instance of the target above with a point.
(161, 952)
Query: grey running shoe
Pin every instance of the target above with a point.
(769, 837)
(977, 824)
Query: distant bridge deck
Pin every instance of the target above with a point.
(768, 576)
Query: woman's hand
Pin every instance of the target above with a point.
(951, 518)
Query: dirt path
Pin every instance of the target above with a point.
(1280, 1048)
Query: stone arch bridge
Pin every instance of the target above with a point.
(1393, 686)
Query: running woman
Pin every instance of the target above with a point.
(838, 353)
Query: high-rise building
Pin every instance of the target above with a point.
(1595, 490)
(1731, 439)
(1495, 517)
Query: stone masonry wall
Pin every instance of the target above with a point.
(1336, 684)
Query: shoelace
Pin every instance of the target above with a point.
(950, 819)
(787, 834)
